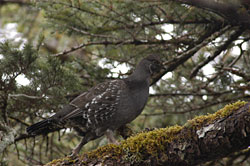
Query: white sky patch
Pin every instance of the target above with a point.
(22, 80)
(9, 32)
(236, 78)
(208, 70)
(173, 86)
(183, 79)
(204, 97)
(151, 90)
(242, 84)
(236, 49)
(217, 41)
(119, 69)
(168, 75)
(137, 19)
(247, 92)
(168, 28)
(188, 98)
(38, 88)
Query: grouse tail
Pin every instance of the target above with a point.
(43, 127)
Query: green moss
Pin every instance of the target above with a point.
(199, 121)
(105, 151)
(54, 162)
(142, 144)
(151, 142)
(58, 162)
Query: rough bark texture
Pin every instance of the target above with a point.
(201, 139)
(7, 136)
(235, 11)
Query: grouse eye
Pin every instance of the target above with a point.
(156, 62)
(154, 66)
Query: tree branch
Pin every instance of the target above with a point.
(190, 94)
(124, 42)
(20, 2)
(202, 139)
(232, 11)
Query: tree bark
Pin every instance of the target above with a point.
(202, 139)
(7, 136)
(234, 11)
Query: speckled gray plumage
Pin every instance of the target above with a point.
(105, 107)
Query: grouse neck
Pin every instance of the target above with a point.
(140, 76)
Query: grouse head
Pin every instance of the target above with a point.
(152, 64)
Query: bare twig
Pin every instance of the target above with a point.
(24, 95)
(190, 94)
(23, 137)
(91, 34)
(124, 42)
(237, 72)
(19, 120)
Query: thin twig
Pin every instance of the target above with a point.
(238, 73)
(19, 120)
(190, 94)
(135, 42)
(91, 34)
(24, 95)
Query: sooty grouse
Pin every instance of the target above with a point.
(105, 107)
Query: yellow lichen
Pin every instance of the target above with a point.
(54, 162)
(199, 121)
(58, 162)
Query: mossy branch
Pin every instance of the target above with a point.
(204, 138)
